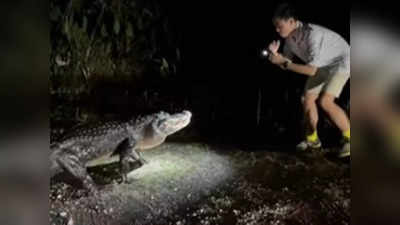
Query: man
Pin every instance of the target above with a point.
(327, 64)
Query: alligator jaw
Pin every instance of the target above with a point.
(175, 122)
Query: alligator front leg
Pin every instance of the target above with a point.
(130, 159)
(141, 159)
(72, 164)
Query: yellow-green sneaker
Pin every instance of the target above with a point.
(308, 145)
(345, 150)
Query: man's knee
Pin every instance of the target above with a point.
(309, 101)
(326, 102)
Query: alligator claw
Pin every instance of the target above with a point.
(143, 161)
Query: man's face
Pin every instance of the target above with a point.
(284, 26)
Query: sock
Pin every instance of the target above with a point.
(346, 134)
(313, 137)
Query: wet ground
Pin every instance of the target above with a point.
(194, 183)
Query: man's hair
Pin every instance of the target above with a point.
(284, 11)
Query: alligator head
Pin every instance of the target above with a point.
(165, 123)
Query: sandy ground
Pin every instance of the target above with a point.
(195, 183)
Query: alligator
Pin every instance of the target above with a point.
(82, 146)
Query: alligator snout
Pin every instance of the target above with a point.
(187, 112)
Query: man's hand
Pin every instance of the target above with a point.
(274, 46)
(277, 59)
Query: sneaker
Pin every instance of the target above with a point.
(345, 150)
(306, 145)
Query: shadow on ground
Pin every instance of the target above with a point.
(195, 183)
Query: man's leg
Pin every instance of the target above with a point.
(335, 112)
(311, 116)
(311, 112)
(339, 117)
(312, 90)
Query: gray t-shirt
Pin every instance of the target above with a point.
(320, 47)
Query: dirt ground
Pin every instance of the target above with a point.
(194, 183)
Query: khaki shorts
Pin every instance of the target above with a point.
(323, 81)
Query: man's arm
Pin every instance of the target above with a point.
(279, 60)
(302, 69)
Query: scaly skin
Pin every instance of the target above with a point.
(76, 150)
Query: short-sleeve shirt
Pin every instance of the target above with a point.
(318, 46)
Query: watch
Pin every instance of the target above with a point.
(286, 63)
